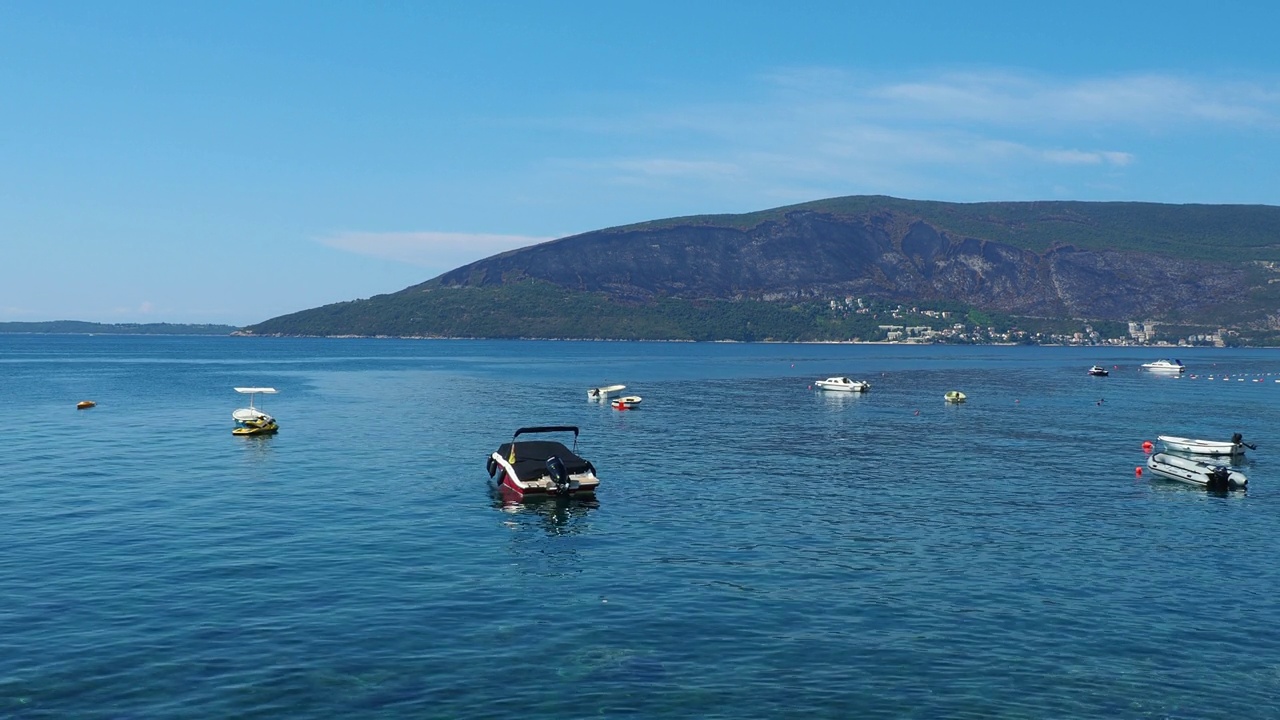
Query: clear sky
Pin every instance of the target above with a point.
(233, 161)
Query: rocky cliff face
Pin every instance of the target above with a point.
(884, 254)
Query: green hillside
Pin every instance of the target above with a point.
(1217, 232)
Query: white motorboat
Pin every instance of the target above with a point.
(1165, 366)
(604, 392)
(1099, 371)
(541, 468)
(843, 384)
(628, 402)
(252, 420)
(955, 396)
(1193, 446)
(1196, 472)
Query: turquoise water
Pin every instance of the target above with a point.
(757, 549)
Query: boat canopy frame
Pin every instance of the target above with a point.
(548, 429)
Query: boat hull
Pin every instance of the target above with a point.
(627, 403)
(1195, 472)
(511, 486)
(955, 397)
(250, 430)
(1201, 447)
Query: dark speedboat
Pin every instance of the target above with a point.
(542, 468)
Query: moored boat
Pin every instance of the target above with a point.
(1165, 366)
(252, 420)
(604, 392)
(1098, 371)
(85, 404)
(542, 468)
(842, 384)
(955, 396)
(1209, 475)
(627, 402)
(1235, 446)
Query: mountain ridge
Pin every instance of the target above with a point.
(1209, 264)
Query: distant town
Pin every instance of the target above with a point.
(961, 326)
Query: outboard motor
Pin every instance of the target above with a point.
(559, 475)
(1219, 478)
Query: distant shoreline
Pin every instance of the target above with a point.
(80, 327)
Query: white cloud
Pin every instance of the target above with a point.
(668, 167)
(833, 131)
(435, 250)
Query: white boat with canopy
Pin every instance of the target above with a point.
(1165, 366)
(252, 420)
(843, 384)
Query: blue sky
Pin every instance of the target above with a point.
(233, 161)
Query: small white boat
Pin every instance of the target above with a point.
(628, 402)
(955, 396)
(1196, 472)
(604, 392)
(1165, 366)
(1235, 446)
(1099, 371)
(843, 384)
(252, 420)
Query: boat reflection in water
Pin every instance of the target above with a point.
(555, 516)
(836, 400)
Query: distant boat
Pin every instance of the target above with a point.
(1098, 371)
(629, 402)
(252, 420)
(843, 384)
(604, 392)
(955, 396)
(1165, 366)
(85, 404)
(1196, 472)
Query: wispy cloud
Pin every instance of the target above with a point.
(435, 250)
(832, 130)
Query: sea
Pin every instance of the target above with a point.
(757, 549)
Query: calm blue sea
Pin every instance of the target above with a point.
(757, 550)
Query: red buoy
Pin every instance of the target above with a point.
(1147, 446)
(1138, 471)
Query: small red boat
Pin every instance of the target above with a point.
(626, 403)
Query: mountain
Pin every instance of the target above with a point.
(782, 271)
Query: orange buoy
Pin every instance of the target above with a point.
(85, 404)
(1147, 445)
(1138, 471)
